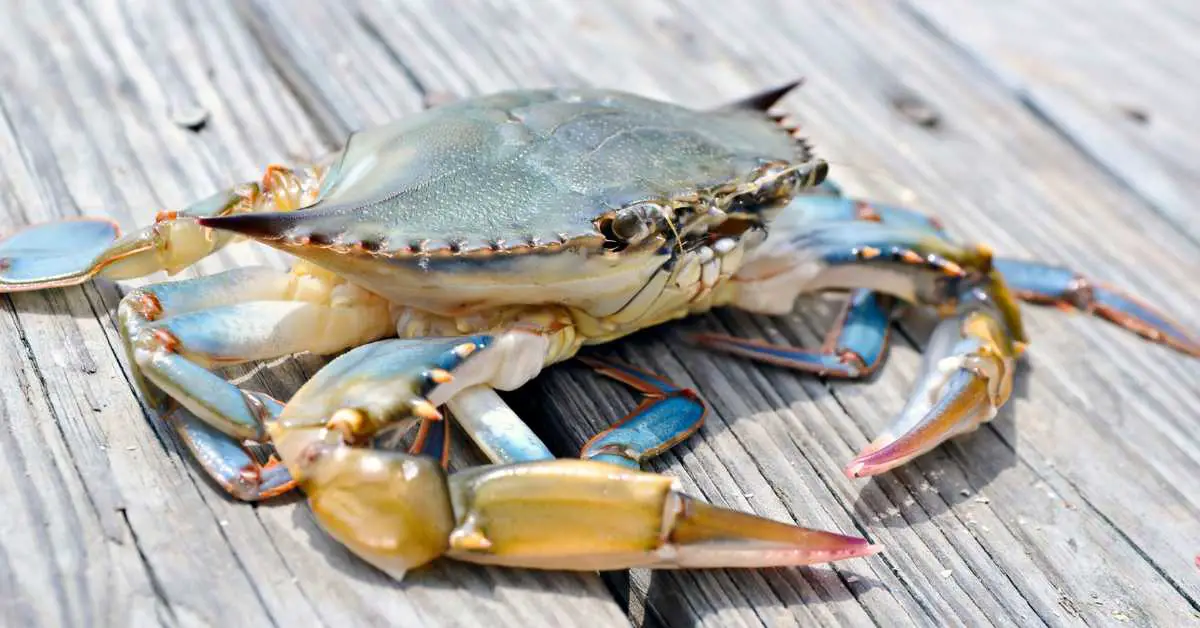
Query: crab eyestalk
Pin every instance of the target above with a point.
(400, 511)
(967, 376)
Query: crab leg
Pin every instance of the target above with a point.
(878, 263)
(433, 439)
(498, 432)
(853, 348)
(667, 416)
(71, 252)
(1053, 285)
(398, 511)
(1031, 281)
(227, 460)
(174, 331)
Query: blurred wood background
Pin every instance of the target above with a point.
(1059, 131)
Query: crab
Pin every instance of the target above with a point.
(464, 249)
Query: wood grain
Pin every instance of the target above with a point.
(1073, 507)
(104, 491)
(1113, 84)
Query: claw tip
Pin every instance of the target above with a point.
(854, 470)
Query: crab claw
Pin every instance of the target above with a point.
(589, 515)
(54, 254)
(967, 376)
(399, 511)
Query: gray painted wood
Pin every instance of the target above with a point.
(1073, 507)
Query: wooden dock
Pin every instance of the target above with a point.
(1060, 131)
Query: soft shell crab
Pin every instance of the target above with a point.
(463, 249)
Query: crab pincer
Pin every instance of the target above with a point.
(399, 511)
(967, 375)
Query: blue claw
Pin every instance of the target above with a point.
(668, 416)
(55, 254)
(853, 348)
(1053, 285)
(229, 462)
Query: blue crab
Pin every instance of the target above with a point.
(462, 250)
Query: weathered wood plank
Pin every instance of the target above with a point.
(1073, 507)
(115, 526)
(1111, 76)
(1076, 468)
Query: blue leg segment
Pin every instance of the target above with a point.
(433, 440)
(70, 252)
(830, 206)
(666, 417)
(865, 244)
(1054, 285)
(854, 347)
(227, 460)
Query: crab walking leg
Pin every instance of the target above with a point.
(1031, 281)
(827, 204)
(854, 347)
(1055, 285)
(173, 331)
(227, 460)
(399, 511)
(71, 252)
(498, 432)
(821, 245)
(668, 415)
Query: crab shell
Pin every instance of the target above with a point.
(578, 197)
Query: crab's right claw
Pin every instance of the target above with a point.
(588, 515)
(967, 376)
(54, 254)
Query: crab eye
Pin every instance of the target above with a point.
(630, 227)
(635, 223)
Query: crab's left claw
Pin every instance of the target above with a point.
(1053, 285)
(54, 254)
(967, 376)
(588, 515)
